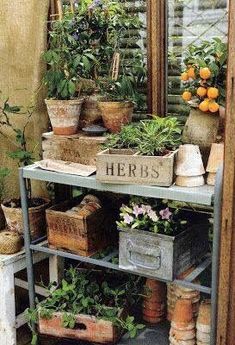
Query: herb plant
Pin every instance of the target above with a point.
(90, 293)
(153, 216)
(152, 137)
(204, 75)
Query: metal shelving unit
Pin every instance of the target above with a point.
(205, 195)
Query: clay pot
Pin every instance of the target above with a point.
(182, 335)
(189, 166)
(90, 113)
(10, 242)
(64, 115)
(37, 219)
(154, 306)
(116, 114)
(215, 160)
(183, 313)
(204, 316)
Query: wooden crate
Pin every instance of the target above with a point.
(77, 148)
(81, 235)
(87, 328)
(162, 256)
(126, 166)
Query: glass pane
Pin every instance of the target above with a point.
(190, 22)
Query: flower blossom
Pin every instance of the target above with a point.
(153, 216)
(146, 209)
(128, 219)
(137, 210)
(166, 213)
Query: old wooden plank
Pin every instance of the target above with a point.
(157, 57)
(226, 295)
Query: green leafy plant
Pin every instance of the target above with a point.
(90, 293)
(21, 154)
(81, 49)
(204, 74)
(152, 215)
(4, 172)
(152, 137)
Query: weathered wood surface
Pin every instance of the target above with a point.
(157, 56)
(87, 328)
(77, 148)
(113, 166)
(226, 295)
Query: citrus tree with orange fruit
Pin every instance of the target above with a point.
(204, 75)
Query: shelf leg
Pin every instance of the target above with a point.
(7, 306)
(215, 252)
(27, 239)
(56, 269)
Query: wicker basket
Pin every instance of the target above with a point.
(10, 242)
(84, 235)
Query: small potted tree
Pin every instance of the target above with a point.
(12, 208)
(158, 239)
(204, 83)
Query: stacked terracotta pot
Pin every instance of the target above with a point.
(182, 330)
(204, 323)
(154, 304)
(175, 293)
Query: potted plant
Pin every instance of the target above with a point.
(89, 306)
(204, 86)
(12, 208)
(142, 153)
(4, 172)
(158, 240)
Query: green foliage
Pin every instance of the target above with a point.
(82, 45)
(4, 172)
(212, 54)
(90, 293)
(152, 137)
(157, 216)
(21, 153)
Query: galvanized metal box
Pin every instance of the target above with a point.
(162, 256)
(126, 166)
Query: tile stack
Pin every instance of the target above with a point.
(154, 304)
(204, 323)
(182, 330)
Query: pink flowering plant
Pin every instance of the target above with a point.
(154, 216)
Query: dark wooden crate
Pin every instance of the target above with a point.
(81, 235)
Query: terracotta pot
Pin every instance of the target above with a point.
(183, 313)
(37, 219)
(191, 181)
(181, 342)
(153, 320)
(10, 242)
(64, 115)
(90, 113)
(204, 316)
(116, 114)
(183, 326)
(182, 335)
(156, 306)
(215, 160)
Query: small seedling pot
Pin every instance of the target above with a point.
(116, 114)
(90, 113)
(64, 115)
(183, 313)
(216, 159)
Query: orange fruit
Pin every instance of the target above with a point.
(213, 92)
(184, 76)
(191, 73)
(186, 96)
(205, 73)
(201, 91)
(204, 106)
(213, 107)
